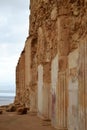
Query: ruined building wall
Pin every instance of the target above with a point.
(55, 62)
(33, 81)
(20, 79)
(27, 70)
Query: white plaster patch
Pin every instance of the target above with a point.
(54, 73)
(73, 91)
(40, 89)
(54, 83)
(73, 59)
(73, 85)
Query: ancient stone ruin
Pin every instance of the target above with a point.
(51, 74)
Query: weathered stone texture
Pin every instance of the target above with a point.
(53, 65)
(20, 79)
(27, 69)
(73, 90)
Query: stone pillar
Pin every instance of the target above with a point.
(86, 84)
(62, 101)
(73, 87)
(40, 90)
(44, 76)
(27, 69)
(54, 83)
(20, 79)
(46, 90)
(44, 95)
(31, 73)
(59, 93)
(63, 50)
(83, 86)
(62, 93)
(33, 82)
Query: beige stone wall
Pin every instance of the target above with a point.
(33, 83)
(31, 73)
(40, 89)
(83, 85)
(27, 69)
(47, 90)
(44, 91)
(17, 83)
(73, 90)
(54, 83)
(55, 63)
(20, 79)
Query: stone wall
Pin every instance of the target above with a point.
(20, 79)
(54, 69)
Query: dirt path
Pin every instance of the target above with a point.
(11, 121)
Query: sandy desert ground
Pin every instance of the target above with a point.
(30, 121)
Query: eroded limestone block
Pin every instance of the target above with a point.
(1, 112)
(11, 108)
(22, 110)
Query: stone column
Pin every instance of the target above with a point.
(44, 71)
(27, 69)
(83, 86)
(22, 77)
(62, 93)
(33, 82)
(46, 90)
(62, 100)
(44, 97)
(59, 92)
(73, 90)
(86, 84)
(63, 50)
(54, 83)
(40, 90)
(31, 73)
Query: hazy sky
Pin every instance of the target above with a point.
(14, 16)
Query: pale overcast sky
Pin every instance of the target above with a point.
(14, 26)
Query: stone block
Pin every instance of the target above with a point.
(22, 110)
(11, 108)
(1, 112)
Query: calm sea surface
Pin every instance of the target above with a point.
(6, 99)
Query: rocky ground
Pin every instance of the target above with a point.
(29, 121)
